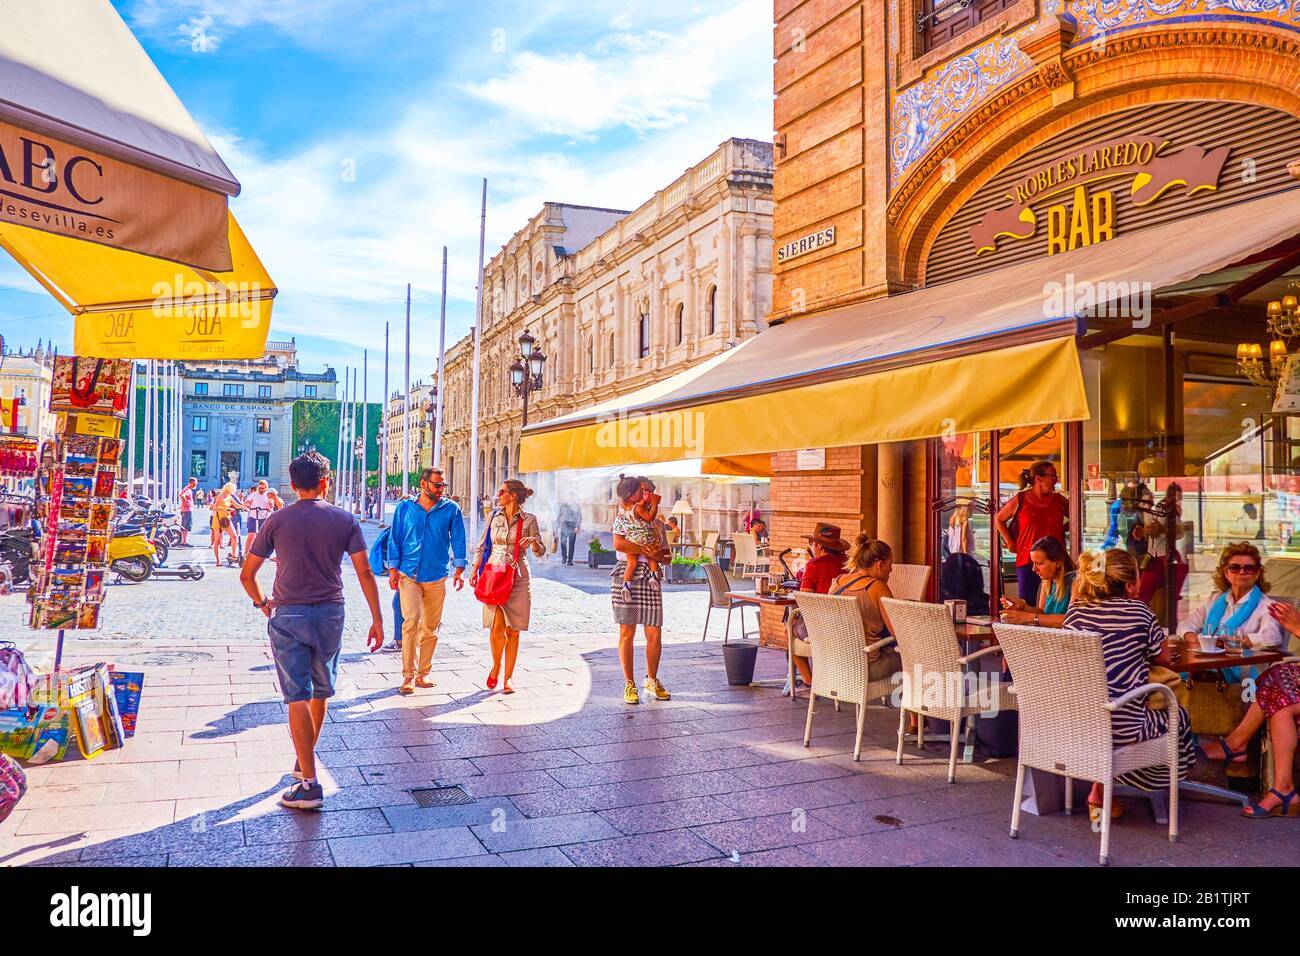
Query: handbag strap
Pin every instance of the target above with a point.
(519, 533)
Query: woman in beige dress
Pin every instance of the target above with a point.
(508, 523)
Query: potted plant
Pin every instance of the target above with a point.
(684, 570)
(598, 556)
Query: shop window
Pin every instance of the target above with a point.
(309, 391)
(200, 388)
(262, 464)
(942, 20)
(199, 464)
(200, 423)
(264, 426)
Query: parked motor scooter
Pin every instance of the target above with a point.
(131, 556)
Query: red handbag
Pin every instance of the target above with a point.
(495, 583)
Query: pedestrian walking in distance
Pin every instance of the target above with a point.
(305, 612)
(187, 511)
(426, 532)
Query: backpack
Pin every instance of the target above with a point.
(378, 556)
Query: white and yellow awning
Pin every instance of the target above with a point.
(112, 197)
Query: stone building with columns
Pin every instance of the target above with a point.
(616, 300)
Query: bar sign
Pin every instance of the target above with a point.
(810, 243)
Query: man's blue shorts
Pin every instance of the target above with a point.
(306, 640)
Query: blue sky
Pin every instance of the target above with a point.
(598, 102)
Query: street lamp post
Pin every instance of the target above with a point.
(431, 415)
(359, 454)
(526, 371)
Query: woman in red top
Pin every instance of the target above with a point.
(1040, 512)
(828, 550)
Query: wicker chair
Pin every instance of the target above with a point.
(1065, 719)
(928, 646)
(718, 588)
(838, 645)
(907, 581)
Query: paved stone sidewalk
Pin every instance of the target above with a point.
(561, 773)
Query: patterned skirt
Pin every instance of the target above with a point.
(645, 606)
(1279, 688)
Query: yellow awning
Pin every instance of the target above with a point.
(129, 305)
(1019, 385)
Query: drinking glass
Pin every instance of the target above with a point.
(1231, 639)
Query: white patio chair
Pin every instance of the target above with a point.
(1065, 719)
(746, 561)
(928, 645)
(838, 645)
(718, 588)
(709, 547)
(907, 581)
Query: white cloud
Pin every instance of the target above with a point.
(646, 81)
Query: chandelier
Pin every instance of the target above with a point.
(1283, 324)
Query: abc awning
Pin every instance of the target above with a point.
(112, 197)
(128, 305)
(997, 350)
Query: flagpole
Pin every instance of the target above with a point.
(365, 424)
(442, 361)
(130, 433)
(147, 485)
(338, 455)
(473, 413)
(406, 403)
(352, 447)
(383, 437)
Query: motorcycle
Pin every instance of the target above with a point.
(19, 549)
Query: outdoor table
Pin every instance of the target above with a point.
(1191, 660)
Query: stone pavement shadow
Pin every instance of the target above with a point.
(210, 837)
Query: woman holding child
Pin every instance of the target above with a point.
(635, 588)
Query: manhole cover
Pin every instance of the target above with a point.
(441, 796)
(166, 658)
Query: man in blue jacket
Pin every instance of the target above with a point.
(426, 531)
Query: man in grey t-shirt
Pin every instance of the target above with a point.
(305, 613)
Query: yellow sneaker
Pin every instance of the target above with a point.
(652, 684)
(630, 695)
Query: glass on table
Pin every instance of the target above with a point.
(1231, 638)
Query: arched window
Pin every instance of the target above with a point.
(711, 307)
(610, 361)
(495, 480)
(482, 473)
(451, 474)
(591, 354)
(505, 463)
(517, 457)
(643, 335)
(677, 322)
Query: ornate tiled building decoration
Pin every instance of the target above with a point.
(922, 112)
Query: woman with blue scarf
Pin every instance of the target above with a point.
(1240, 602)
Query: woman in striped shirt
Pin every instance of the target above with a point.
(1131, 641)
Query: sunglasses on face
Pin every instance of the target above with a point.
(437, 484)
(1050, 476)
(1242, 568)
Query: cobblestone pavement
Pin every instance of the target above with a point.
(562, 773)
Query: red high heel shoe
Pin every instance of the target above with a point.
(491, 682)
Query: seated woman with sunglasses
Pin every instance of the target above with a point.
(1239, 601)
